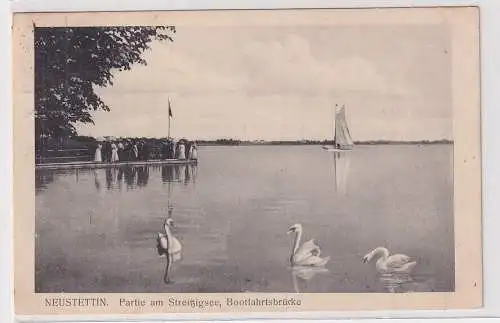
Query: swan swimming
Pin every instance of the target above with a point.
(168, 246)
(308, 253)
(386, 264)
(167, 242)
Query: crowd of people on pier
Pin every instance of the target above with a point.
(131, 150)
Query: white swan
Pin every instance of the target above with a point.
(308, 253)
(386, 264)
(167, 243)
(169, 247)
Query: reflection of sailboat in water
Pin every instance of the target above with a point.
(341, 168)
(301, 275)
(342, 140)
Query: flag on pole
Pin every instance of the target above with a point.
(169, 109)
(169, 116)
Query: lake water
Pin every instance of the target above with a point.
(96, 229)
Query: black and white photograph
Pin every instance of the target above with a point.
(273, 157)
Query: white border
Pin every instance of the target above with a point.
(490, 78)
(6, 259)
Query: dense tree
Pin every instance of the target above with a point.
(69, 62)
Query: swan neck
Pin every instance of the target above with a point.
(298, 236)
(168, 232)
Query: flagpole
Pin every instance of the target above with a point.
(169, 117)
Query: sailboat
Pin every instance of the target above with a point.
(342, 140)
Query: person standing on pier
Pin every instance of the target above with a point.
(135, 152)
(98, 154)
(170, 149)
(106, 152)
(121, 149)
(193, 152)
(127, 151)
(174, 148)
(114, 153)
(182, 151)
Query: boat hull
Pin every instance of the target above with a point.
(333, 149)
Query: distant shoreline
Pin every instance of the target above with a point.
(224, 142)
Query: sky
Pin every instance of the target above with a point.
(281, 83)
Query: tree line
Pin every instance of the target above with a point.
(71, 61)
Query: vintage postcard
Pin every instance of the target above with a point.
(246, 161)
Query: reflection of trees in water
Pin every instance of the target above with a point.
(43, 179)
(112, 178)
(139, 176)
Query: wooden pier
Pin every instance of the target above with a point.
(92, 164)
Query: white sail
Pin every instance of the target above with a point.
(342, 137)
